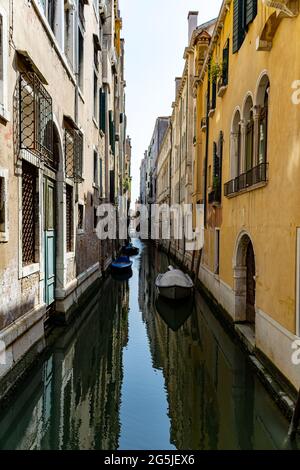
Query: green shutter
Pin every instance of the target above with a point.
(103, 111)
(251, 11)
(225, 70)
(112, 135)
(238, 24)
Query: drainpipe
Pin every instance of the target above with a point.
(206, 155)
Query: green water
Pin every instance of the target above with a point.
(129, 374)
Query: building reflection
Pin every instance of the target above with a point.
(215, 400)
(73, 400)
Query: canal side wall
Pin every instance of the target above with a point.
(281, 385)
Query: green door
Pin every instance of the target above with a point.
(50, 240)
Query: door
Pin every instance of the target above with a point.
(251, 285)
(50, 240)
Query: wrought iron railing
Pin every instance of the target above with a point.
(35, 117)
(74, 154)
(254, 176)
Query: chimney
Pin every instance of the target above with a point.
(193, 23)
(177, 85)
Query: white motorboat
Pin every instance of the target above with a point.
(174, 284)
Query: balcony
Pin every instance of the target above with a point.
(247, 180)
(203, 124)
(222, 87)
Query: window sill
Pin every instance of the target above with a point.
(95, 123)
(247, 190)
(30, 270)
(211, 112)
(4, 237)
(80, 231)
(4, 114)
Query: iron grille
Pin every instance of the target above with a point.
(36, 118)
(29, 175)
(74, 154)
(69, 218)
(254, 176)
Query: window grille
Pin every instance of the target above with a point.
(36, 118)
(74, 154)
(29, 180)
(69, 218)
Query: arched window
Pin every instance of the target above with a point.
(263, 129)
(236, 145)
(249, 134)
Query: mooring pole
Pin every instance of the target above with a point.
(295, 420)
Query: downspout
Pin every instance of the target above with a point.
(206, 155)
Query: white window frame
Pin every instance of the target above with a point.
(4, 112)
(4, 236)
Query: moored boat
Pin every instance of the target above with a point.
(130, 250)
(174, 284)
(121, 264)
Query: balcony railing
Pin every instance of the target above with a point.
(35, 130)
(252, 177)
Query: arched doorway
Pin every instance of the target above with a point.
(245, 281)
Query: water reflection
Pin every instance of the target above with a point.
(73, 400)
(215, 401)
(131, 373)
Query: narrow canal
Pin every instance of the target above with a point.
(128, 374)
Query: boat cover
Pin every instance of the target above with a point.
(174, 278)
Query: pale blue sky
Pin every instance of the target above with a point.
(156, 33)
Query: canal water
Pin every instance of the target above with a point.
(130, 373)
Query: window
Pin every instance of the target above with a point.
(249, 142)
(217, 251)
(213, 94)
(74, 154)
(102, 110)
(95, 96)
(29, 213)
(3, 206)
(263, 129)
(97, 48)
(69, 29)
(244, 12)
(112, 136)
(95, 217)
(101, 177)
(96, 172)
(80, 217)
(80, 58)
(69, 218)
(225, 67)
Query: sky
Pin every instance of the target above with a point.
(156, 34)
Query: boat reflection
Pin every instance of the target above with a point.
(174, 313)
(122, 276)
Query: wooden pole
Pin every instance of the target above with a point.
(295, 420)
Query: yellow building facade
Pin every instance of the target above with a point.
(246, 173)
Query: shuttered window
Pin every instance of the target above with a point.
(244, 12)
(112, 136)
(213, 94)
(238, 25)
(102, 110)
(225, 69)
(251, 11)
(29, 212)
